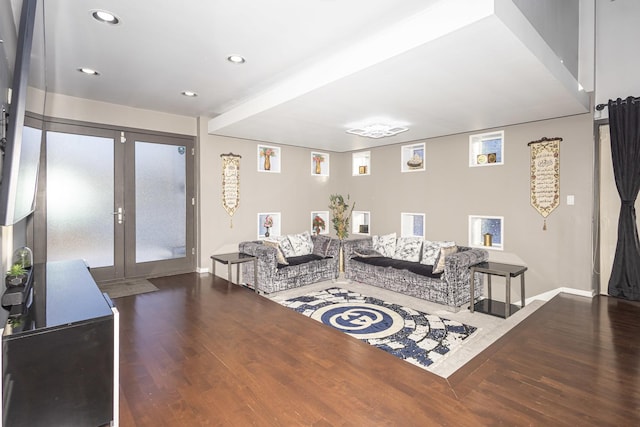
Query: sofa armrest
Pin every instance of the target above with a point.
(350, 246)
(266, 255)
(456, 270)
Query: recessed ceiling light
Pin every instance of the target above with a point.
(89, 71)
(106, 17)
(189, 93)
(236, 59)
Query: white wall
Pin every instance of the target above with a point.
(69, 107)
(617, 59)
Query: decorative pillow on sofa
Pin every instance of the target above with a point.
(285, 245)
(367, 253)
(438, 266)
(408, 249)
(430, 250)
(279, 254)
(386, 244)
(321, 247)
(301, 243)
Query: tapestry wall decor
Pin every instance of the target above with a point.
(230, 183)
(545, 176)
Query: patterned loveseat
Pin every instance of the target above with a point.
(274, 275)
(450, 287)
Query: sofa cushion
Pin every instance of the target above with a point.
(438, 266)
(279, 254)
(297, 260)
(430, 250)
(386, 244)
(285, 245)
(414, 267)
(408, 249)
(301, 243)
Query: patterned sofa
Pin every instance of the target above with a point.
(450, 288)
(273, 276)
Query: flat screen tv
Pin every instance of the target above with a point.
(21, 145)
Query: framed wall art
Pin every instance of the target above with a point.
(361, 222)
(268, 224)
(230, 183)
(486, 232)
(269, 159)
(361, 163)
(486, 149)
(319, 164)
(320, 222)
(412, 158)
(412, 225)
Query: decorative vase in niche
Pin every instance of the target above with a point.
(488, 239)
(318, 168)
(266, 233)
(267, 163)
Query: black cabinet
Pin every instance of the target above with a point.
(58, 356)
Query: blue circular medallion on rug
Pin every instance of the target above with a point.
(360, 320)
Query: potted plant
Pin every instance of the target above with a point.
(340, 214)
(16, 275)
(340, 217)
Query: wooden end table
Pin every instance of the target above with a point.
(488, 305)
(237, 259)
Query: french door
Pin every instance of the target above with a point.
(122, 201)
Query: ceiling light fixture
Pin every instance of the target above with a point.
(189, 93)
(89, 71)
(378, 130)
(236, 59)
(106, 17)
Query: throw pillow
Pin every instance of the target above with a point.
(279, 254)
(367, 253)
(285, 245)
(386, 244)
(321, 246)
(301, 243)
(438, 266)
(430, 250)
(408, 249)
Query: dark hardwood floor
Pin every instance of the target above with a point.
(201, 352)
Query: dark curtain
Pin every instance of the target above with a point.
(624, 125)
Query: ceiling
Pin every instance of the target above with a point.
(313, 68)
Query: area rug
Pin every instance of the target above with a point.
(419, 338)
(127, 288)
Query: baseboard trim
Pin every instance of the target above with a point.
(202, 270)
(546, 296)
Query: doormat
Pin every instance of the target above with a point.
(127, 288)
(419, 338)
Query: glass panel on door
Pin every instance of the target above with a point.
(160, 194)
(80, 198)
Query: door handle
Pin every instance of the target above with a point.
(119, 215)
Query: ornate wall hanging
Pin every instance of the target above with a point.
(230, 183)
(545, 176)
